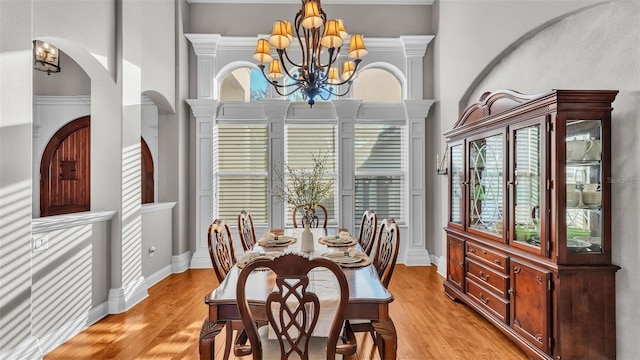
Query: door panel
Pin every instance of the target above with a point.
(530, 304)
(65, 170)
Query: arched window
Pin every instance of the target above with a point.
(244, 84)
(376, 84)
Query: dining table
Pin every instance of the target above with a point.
(368, 298)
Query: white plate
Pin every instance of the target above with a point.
(342, 259)
(577, 244)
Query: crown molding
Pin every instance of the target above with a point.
(341, 2)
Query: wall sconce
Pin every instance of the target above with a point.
(46, 57)
(442, 166)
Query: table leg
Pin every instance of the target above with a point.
(207, 338)
(387, 338)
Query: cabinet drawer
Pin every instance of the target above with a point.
(492, 279)
(496, 305)
(486, 256)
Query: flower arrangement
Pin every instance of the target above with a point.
(303, 188)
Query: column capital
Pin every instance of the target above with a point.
(203, 107)
(204, 44)
(418, 108)
(416, 45)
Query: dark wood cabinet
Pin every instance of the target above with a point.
(528, 236)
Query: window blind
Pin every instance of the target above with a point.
(241, 177)
(303, 141)
(379, 170)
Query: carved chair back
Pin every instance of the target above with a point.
(315, 221)
(368, 228)
(223, 256)
(386, 253)
(292, 308)
(246, 230)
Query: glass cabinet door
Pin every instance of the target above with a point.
(456, 186)
(486, 185)
(527, 187)
(583, 186)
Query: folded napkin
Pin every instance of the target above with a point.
(250, 256)
(342, 238)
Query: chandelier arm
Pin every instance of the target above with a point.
(284, 67)
(290, 92)
(274, 82)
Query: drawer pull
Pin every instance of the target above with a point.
(485, 278)
(497, 261)
(484, 299)
(473, 251)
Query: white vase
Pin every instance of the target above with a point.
(306, 239)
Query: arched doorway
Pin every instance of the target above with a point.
(65, 170)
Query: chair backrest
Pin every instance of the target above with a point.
(246, 230)
(223, 256)
(386, 253)
(315, 222)
(368, 228)
(292, 308)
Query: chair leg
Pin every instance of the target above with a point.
(229, 340)
(373, 336)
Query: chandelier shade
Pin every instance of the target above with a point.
(314, 71)
(46, 57)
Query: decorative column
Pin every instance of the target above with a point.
(415, 47)
(346, 112)
(204, 111)
(275, 111)
(417, 254)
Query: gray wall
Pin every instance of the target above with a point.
(595, 49)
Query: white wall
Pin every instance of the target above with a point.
(471, 34)
(596, 53)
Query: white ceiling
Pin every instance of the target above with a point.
(343, 2)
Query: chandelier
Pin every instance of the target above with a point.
(315, 34)
(45, 57)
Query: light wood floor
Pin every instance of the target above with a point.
(167, 324)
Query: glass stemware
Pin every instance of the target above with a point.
(580, 179)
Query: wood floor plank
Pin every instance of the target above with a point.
(166, 325)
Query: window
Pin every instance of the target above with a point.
(302, 142)
(377, 85)
(379, 170)
(241, 177)
(244, 84)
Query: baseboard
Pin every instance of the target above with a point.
(27, 350)
(180, 263)
(51, 341)
(201, 260)
(123, 299)
(441, 262)
(158, 276)
(417, 257)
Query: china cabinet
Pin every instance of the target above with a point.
(528, 232)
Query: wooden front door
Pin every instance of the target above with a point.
(147, 173)
(65, 170)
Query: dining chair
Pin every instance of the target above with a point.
(293, 311)
(384, 260)
(368, 228)
(223, 258)
(316, 220)
(247, 230)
